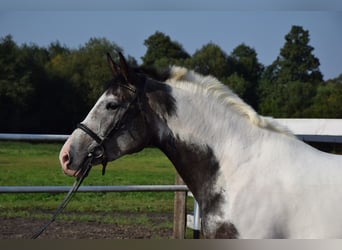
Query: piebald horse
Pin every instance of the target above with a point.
(251, 177)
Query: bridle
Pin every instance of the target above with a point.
(99, 151)
(95, 153)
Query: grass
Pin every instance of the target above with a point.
(35, 164)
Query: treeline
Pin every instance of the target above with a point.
(49, 90)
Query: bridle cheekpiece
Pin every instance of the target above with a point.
(99, 151)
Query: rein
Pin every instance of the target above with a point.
(96, 152)
(67, 198)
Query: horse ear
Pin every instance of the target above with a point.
(112, 65)
(127, 72)
(124, 68)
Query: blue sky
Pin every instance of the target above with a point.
(264, 30)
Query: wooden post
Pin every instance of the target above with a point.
(179, 211)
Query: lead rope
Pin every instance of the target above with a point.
(67, 198)
(91, 156)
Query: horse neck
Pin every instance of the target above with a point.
(197, 139)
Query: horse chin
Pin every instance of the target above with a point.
(71, 172)
(72, 169)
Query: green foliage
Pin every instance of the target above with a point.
(289, 86)
(49, 90)
(86, 68)
(162, 51)
(210, 59)
(296, 61)
(287, 100)
(20, 70)
(245, 64)
(237, 83)
(328, 100)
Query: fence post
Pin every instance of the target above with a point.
(179, 211)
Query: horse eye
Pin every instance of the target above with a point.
(112, 105)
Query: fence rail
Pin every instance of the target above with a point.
(33, 137)
(87, 189)
(310, 130)
(315, 130)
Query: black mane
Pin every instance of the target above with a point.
(160, 75)
(159, 93)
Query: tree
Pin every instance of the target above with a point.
(55, 48)
(244, 62)
(78, 78)
(210, 60)
(238, 84)
(86, 68)
(15, 84)
(328, 101)
(296, 61)
(289, 84)
(162, 51)
(48, 90)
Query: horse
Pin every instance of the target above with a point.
(250, 175)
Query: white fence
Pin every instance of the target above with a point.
(89, 189)
(318, 130)
(311, 130)
(33, 137)
(315, 130)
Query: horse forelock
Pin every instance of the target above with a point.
(183, 78)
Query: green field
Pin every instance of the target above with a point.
(35, 164)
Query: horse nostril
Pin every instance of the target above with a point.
(66, 159)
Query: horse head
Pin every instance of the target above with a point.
(115, 126)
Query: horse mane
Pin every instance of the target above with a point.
(187, 79)
(160, 75)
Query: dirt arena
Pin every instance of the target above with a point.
(23, 228)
